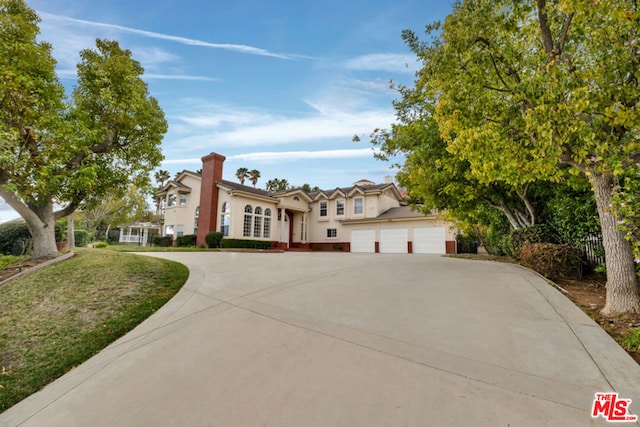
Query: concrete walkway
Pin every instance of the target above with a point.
(322, 339)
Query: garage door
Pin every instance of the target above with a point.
(393, 241)
(363, 240)
(429, 240)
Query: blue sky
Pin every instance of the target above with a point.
(278, 86)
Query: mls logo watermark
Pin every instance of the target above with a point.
(612, 408)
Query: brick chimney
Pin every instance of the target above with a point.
(211, 174)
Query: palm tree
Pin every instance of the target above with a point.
(242, 174)
(254, 175)
(161, 176)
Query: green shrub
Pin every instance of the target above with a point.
(554, 261)
(15, 238)
(245, 244)
(539, 233)
(82, 237)
(213, 239)
(101, 245)
(163, 241)
(186, 240)
(631, 341)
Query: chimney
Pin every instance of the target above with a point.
(211, 175)
(388, 179)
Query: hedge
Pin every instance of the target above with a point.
(15, 237)
(213, 239)
(186, 240)
(82, 237)
(245, 244)
(552, 260)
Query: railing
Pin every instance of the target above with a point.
(130, 239)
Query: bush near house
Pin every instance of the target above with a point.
(245, 244)
(82, 237)
(213, 239)
(553, 261)
(186, 240)
(163, 241)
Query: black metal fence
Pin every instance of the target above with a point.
(593, 249)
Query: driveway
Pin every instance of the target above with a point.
(332, 339)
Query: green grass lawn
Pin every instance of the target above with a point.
(133, 248)
(56, 318)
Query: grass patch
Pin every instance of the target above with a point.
(56, 318)
(8, 260)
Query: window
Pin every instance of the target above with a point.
(257, 222)
(323, 208)
(168, 230)
(172, 200)
(358, 207)
(296, 198)
(225, 219)
(339, 207)
(195, 220)
(180, 231)
(267, 224)
(332, 233)
(183, 200)
(246, 227)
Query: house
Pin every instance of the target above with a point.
(365, 217)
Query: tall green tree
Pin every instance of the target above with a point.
(277, 184)
(254, 176)
(68, 153)
(525, 88)
(242, 174)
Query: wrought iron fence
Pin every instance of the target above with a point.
(593, 249)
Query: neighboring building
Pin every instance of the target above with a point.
(365, 217)
(180, 200)
(139, 233)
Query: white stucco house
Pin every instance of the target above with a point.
(364, 217)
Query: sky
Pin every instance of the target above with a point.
(280, 86)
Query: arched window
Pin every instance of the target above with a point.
(225, 219)
(246, 227)
(267, 224)
(257, 222)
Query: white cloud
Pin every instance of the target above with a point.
(393, 62)
(244, 128)
(252, 50)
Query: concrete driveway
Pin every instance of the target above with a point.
(324, 339)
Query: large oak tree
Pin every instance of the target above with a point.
(524, 89)
(63, 153)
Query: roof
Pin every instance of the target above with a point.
(234, 186)
(392, 214)
(348, 190)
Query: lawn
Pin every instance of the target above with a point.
(54, 319)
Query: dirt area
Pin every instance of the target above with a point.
(11, 271)
(589, 295)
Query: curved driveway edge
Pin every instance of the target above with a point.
(341, 339)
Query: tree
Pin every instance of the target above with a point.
(277, 184)
(59, 152)
(524, 89)
(242, 174)
(307, 188)
(254, 175)
(160, 176)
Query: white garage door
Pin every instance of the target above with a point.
(363, 240)
(429, 240)
(394, 241)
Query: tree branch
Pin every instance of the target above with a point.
(547, 38)
(68, 210)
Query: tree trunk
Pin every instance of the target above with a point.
(71, 238)
(622, 293)
(43, 231)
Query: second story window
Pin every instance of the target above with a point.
(358, 207)
(171, 200)
(323, 208)
(339, 207)
(183, 200)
